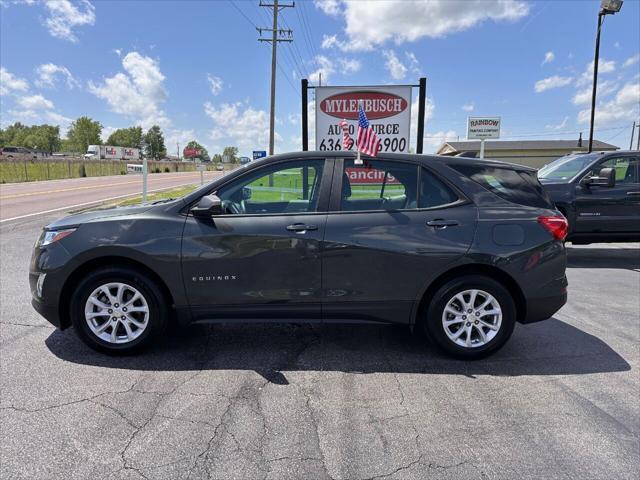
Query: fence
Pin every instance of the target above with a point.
(17, 170)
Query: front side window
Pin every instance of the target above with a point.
(626, 169)
(379, 185)
(285, 188)
(565, 168)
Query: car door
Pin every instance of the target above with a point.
(392, 227)
(610, 209)
(261, 258)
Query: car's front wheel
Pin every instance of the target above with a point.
(118, 310)
(471, 317)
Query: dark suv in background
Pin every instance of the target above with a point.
(462, 249)
(598, 193)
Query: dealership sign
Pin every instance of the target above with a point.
(190, 152)
(388, 109)
(479, 128)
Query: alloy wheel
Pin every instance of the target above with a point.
(116, 313)
(472, 318)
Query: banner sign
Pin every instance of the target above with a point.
(483, 127)
(388, 109)
(369, 176)
(191, 152)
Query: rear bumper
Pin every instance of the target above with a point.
(545, 306)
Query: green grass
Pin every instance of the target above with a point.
(172, 193)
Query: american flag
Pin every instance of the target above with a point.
(347, 141)
(367, 141)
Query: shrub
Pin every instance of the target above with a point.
(167, 169)
(82, 171)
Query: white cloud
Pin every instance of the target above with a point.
(560, 125)
(174, 136)
(369, 24)
(330, 7)
(65, 15)
(35, 102)
(138, 92)
(48, 72)
(549, 57)
(625, 106)
(349, 65)
(605, 88)
(551, 82)
(295, 118)
(28, 116)
(429, 108)
(604, 66)
(396, 68)
(414, 65)
(215, 83)
(325, 69)
(631, 60)
(436, 139)
(468, 107)
(9, 83)
(240, 125)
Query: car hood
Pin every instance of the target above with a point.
(96, 215)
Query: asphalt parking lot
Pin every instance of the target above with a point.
(561, 400)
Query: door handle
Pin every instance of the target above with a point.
(301, 227)
(633, 194)
(441, 223)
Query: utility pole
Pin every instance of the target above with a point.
(277, 35)
(178, 149)
(633, 131)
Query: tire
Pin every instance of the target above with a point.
(461, 322)
(140, 318)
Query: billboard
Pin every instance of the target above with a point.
(388, 109)
(190, 152)
(479, 128)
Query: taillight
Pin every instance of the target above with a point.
(556, 225)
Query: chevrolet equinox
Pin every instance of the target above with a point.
(461, 249)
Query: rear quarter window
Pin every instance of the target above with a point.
(517, 186)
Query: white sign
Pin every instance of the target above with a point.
(201, 168)
(483, 127)
(388, 110)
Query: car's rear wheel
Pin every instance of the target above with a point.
(471, 316)
(118, 310)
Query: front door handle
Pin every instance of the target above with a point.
(301, 227)
(633, 194)
(441, 223)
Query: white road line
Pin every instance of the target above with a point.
(94, 202)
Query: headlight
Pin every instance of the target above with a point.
(50, 236)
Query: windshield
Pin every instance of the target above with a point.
(565, 168)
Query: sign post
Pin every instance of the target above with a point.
(481, 128)
(144, 179)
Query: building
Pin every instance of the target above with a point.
(533, 153)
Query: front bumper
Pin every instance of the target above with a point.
(49, 312)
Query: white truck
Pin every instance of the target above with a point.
(106, 152)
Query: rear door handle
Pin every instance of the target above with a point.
(301, 227)
(440, 223)
(633, 194)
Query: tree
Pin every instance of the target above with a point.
(232, 152)
(154, 143)
(195, 145)
(42, 137)
(126, 137)
(82, 133)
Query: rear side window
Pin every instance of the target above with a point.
(517, 186)
(433, 191)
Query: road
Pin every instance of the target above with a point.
(320, 402)
(21, 200)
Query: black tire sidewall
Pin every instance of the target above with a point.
(138, 280)
(433, 322)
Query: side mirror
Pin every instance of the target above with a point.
(207, 206)
(246, 193)
(606, 178)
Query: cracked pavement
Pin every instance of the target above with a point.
(327, 402)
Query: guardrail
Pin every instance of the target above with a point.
(20, 170)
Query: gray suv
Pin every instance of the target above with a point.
(460, 249)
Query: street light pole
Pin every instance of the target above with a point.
(601, 15)
(606, 7)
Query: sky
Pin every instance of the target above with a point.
(197, 69)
